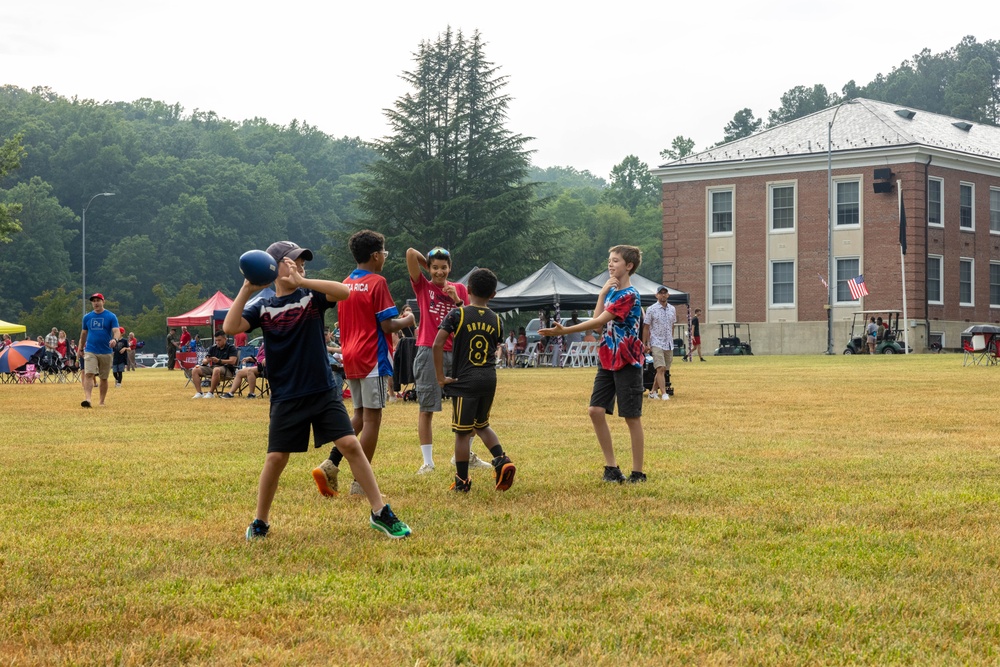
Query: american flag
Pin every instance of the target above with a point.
(857, 287)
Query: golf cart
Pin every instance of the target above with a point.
(889, 339)
(730, 343)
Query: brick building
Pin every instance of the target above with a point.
(745, 228)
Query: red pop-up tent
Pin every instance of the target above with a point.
(202, 315)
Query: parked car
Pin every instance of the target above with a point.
(145, 360)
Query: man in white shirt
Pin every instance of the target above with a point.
(658, 339)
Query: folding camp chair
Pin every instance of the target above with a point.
(186, 361)
(27, 375)
(976, 351)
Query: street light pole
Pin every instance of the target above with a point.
(84, 256)
(832, 284)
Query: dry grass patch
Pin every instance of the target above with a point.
(800, 510)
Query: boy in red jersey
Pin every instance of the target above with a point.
(436, 298)
(367, 321)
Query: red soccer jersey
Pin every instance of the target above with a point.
(434, 305)
(367, 350)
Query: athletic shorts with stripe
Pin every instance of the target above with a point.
(470, 412)
(370, 393)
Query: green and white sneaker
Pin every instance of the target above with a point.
(257, 530)
(389, 523)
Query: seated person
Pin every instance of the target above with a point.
(219, 362)
(335, 359)
(522, 341)
(253, 368)
(510, 349)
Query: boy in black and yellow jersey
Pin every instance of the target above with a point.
(472, 381)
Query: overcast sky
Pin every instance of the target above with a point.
(591, 82)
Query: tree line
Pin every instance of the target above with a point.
(963, 82)
(194, 190)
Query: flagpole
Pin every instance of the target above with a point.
(902, 268)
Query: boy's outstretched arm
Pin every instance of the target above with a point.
(333, 290)
(394, 324)
(558, 329)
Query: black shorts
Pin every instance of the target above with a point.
(623, 385)
(290, 422)
(470, 412)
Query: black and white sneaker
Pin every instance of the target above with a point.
(636, 478)
(613, 474)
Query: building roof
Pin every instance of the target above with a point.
(858, 125)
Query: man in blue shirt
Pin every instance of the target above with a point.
(97, 340)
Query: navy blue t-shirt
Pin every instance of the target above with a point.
(296, 348)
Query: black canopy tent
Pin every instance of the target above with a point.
(549, 287)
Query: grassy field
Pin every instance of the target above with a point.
(799, 510)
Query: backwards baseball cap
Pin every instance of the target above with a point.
(97, 295)
(282, 249)
(662, 290)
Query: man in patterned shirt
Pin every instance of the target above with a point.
(658, 340)
(619, 374)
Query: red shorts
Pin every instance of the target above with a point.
(695, 340)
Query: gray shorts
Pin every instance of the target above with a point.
(425, 377)
(370, 392)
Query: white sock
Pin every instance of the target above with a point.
(428, 452)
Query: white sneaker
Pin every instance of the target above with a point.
(652, 395)
(198, 395)
(665, 397)
(118, 384)
(476, 462)
(208, 395)
(425, 468)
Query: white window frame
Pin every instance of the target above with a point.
(972, 282)
(972, 206)
(995, 304)
(790, 304)
(836, 202)
(941, 209)
(711, 287)
(994, 210)
(770, 207)
(836, 291)
(940, 279)
(711, 211)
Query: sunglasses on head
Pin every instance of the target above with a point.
(437, 253)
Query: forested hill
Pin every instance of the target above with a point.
(192, 191)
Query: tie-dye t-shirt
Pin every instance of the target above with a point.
(621, 344)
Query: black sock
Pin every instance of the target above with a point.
(496, 451)
(336, 457)
(463, 469)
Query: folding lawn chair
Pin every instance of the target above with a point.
(976, 351)
(186, 361)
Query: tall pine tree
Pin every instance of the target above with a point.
(451, 173)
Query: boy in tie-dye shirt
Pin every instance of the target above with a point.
(619, 376)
